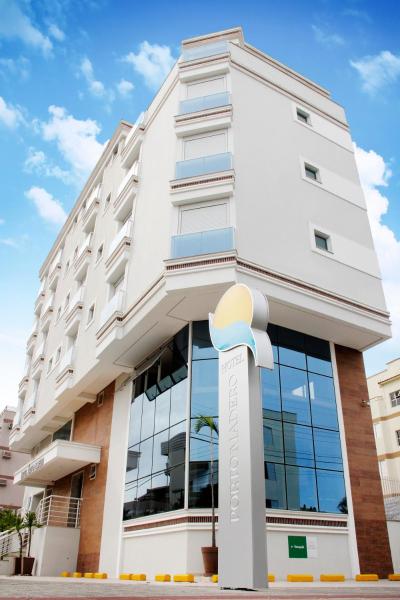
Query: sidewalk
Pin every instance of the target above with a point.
(55, 587)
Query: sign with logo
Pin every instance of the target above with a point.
(301, 546)
(238, 331)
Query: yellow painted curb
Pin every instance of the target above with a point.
(394, 577)
(88, 575)
(367, 577)
(187, 578)
(125, 576)
(138, 577)
(76, 574)
(271, 578)
(214, 578)
(100, 576)
(299, 578)
(162, 577)
(332, 577)
(65, 574)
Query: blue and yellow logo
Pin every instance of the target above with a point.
(241, 318)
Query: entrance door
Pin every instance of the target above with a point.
(76, 492)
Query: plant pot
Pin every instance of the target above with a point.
(210, 560)
(24, 566)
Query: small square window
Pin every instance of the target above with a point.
(398, 437)
(91, 314)
(311, 172)
(321, 241)
(303, 116)
(395, 398)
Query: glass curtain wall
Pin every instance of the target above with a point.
(302, 453)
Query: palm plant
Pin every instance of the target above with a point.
(19, 526)
(30, 523)
(208, 422)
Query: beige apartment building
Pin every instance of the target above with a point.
(11, 496)
(240, 170)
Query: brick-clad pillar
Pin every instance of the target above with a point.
(369, 513)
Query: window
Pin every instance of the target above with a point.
(90, 314)
(67, 266)
(395, 398)
(50, 365)
(107, 202)
(76, 252)
(100, 398)
(58, 312)
(302, 116)
(311, 172)
(58, 354)
(205, 145)
(398, 437)
(63, 433)
(99, 253)
(321, 241)
(67, 299)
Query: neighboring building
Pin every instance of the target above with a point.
(10, 461)
(384, 397)
(241, 170)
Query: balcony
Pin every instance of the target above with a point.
(47, 313)
(118, 252)
(126, 192)
(214, 163)
(59, 459)
(39, 300)
(54, 271)
(74, 312)
(23, 386)
(203, 242)
(37, 361)
(82, 259)
(91, 209)
(204, 103)
(30, 344)
(114, 308)
(29, 406)
(205, 50)
(133, 142)
(65, 368)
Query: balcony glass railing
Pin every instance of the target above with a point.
(124, 232)
(203, 165)
(203, 242)
(204, 102)
(205, 50)
(114, 305)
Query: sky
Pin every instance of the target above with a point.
(70, 70)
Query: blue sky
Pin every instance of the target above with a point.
(71, 69)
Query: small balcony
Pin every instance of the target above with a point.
(91, 209)
(47, 313)
(55, 271)
(29, 406)
(203, 242)
(205, 50)
(118, 252)
(113, 308)
(59, 459)
(65, 368)
(74, 312)
(204, 103)
(82, 259)
(133, 142)
(39, 300)
(30, 344)
(126, 192)
(37, 361)
(23, 386)
(214, 163)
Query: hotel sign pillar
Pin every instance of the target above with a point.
(238, 332)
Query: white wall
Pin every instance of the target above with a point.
(394, 539)
(55, 549)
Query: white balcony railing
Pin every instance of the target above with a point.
(30, 402)
(93, 198)
(139, 121)
(192, 105)
(115, 305)
(124, 232)
(132, 173)
(48, 304)
(39, 352)
(84, 246)
(203, 242)
(77, 299)
(205, 50)
(66, 360)
(203, 165)
(55, 263)
(59, 511)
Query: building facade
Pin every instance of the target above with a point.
(10, 461)
(241, 170)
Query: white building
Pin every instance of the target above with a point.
(10, 495)
(241, 170)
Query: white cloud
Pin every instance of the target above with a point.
(48, 207)
(15, 24)
(328, 39)
(153, 62)
(9, 242)
(37, 162)
(2, 221)
(11, 116)
(76, 140)
(56, 33)
(375, 174)
(377, 71)
(15, 66)
(96, 87)
(125, 88)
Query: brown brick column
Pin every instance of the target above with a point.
(369, 514)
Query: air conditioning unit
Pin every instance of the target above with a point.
(3, 482)
(6, 454)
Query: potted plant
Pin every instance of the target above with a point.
(210, 553)
(30, 523)
(19, 526)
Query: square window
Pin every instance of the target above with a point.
(395, 398)
(321, 241)
(303, 116)
(311, 172)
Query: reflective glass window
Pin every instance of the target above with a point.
(205, 388)
(323, 403)
(162, 408)
(178, 402)
(299, 449)
(271, 394)
(135, 420)
(295, 400)
(275, 486)
(328, 454)
(331, 491)
(301, 489)
(273, 441)
(202, 347)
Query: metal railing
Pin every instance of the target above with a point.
(59, 511)
(205, 164)
(10, 542)
(204, 102)
(391, 498)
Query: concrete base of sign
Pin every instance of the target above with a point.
(241, 530)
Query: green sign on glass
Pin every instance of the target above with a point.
(297, 546)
